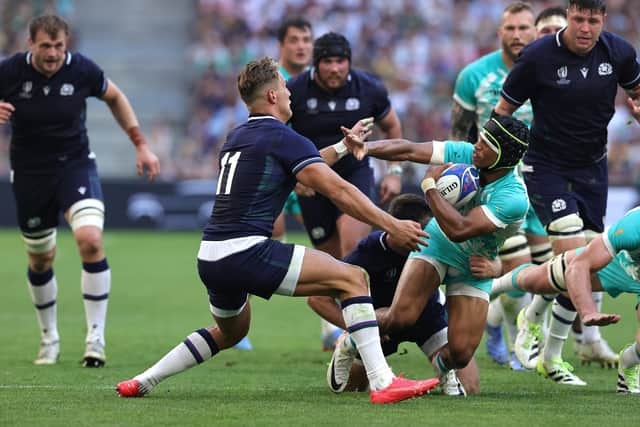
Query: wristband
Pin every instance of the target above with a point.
(341, 149)
(427, 184)
(395, 170)
(136, 136)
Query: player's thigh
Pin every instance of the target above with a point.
(36, 202)
(417, 282)
(591, 187)
(550, 195)
(467, 316)
(319, 215)
(322, 274)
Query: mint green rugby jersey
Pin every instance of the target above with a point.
(478, 88)
(622, 240)
(504, 202)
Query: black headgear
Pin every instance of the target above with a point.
(330, 44)
(508, 137)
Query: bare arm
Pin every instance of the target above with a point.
(505, 108)
(363, 128)
(456, 226)
(578, 278)
(125, 116)
(391, 184)
(6, 109)
(351, 201)
(461, 122)
(633, 102)
(328, 309)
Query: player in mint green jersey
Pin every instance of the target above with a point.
(476, 93)
(478, 229)
(610, 263)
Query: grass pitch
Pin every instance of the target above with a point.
(157, 299)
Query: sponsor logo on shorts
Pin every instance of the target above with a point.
(558, 205)
(34, 222)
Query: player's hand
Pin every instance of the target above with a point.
(390, 187)
(354, 142)
(146, 160)
(363, 128)
(6, 110)
(483, 267)
(634, 107)
(303, 191)
(434, 171)
(600, 319)
(409, 234)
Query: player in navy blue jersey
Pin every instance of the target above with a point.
(330, 94)
(571, 80)
(259, 165)
(43, 95)
(379, 255)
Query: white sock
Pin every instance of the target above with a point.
(630, 356)
(494, 315)
(561, 321)
(43, 288)
(195, 349)
(95, 282)
(360, 318)
(537, 309)
(510, 309)
(592, 333)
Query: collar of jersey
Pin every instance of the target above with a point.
(261, 117)
(66, 61)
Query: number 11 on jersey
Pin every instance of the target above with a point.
(227, 171)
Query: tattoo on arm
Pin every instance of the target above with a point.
(461, 123)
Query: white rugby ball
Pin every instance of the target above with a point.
(458, 184)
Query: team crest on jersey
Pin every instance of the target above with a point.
(352, 104)
(26, 90)
(66, 89)
(605, 69)
(312, 103)
(563, 73)
(558, 205)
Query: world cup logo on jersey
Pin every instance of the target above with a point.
(26, 90)
(563, 72)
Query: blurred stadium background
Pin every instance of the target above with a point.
(177, 62)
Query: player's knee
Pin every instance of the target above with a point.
(358, 281)
(566, 227)
(556, 271)
(515, 246)
(40, 243)
(89, 241)
(41, 262)
(590, 235)
(86, 212)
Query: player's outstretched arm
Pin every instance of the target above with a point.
(388, 149)
(6, 109)
(351, 201)
(331, 154)
(391, 183)
(578, 279)
(505, 108)
(126, 118)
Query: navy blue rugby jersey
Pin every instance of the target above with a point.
(48, 124)
(383, 265)
(258, 164)
(318, 114)
(573, 97)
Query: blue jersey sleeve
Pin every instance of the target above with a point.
(458, 152)
(629, 66)
(295, 151)
(96, 79)
(521, 81)
(381, 102)
(464, 92)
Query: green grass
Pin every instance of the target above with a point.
(157, 299)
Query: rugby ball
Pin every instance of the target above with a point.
(458, 184)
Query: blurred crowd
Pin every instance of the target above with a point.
(416, 46)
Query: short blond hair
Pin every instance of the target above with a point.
(519, 6)
(254, 76)
(50, 24)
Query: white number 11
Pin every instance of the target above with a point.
(228, 166)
